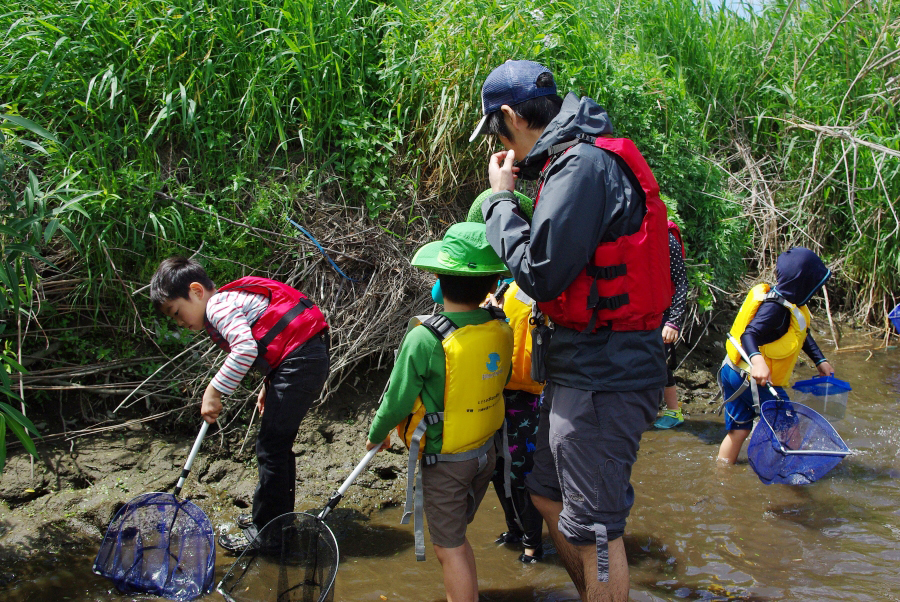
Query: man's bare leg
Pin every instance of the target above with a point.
(567, 552)
(581, 561)
(616, 590)
(460, 578)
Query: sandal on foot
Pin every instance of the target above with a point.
(536, 557)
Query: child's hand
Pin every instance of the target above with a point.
(383, 445)
(669, 334)
(212, 404)
(759, 370)
(825, 369)
(261, 400)
(492, 300)
(503, 176)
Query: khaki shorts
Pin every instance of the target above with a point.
(453, 491)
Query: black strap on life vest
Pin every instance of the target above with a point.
(440, 326)
(496, 312)
(283, 321)
(602, 272)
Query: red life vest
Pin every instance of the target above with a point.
(673, 229)
(290, 320)
(627, 284)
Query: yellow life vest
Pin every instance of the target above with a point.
(780, 355)
(520, 308)
(477, 359)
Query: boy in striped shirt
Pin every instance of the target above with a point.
(262, 324)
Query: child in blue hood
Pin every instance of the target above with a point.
(772, 326)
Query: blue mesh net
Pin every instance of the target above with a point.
(293, 559)
(159, 545)
(793, 444)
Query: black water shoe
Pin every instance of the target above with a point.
(508, 537)
(538, 555)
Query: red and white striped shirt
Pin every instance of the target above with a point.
(232, 313)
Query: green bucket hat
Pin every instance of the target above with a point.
(464, 251)
(475, 215)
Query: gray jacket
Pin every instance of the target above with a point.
(586, 199)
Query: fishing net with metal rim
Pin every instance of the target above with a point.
(294, 558)
(793, 444)
(159, 545)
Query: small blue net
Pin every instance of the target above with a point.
(793, 444)
(159, 545)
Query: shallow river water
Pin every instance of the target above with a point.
(697, 530)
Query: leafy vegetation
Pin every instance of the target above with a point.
(27, 224)
(204, 126)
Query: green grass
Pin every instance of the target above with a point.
(766, 130)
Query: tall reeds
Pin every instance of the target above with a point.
(766, 127)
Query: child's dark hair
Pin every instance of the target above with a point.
(537, 112)
(173, 279)
(466, 289)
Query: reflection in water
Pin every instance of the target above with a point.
(698, 530)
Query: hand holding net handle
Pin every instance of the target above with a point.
(737, 345)
(338, 495)
(190, 461)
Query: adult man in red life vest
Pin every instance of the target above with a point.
(595, 256)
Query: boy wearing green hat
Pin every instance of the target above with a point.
(445, 398)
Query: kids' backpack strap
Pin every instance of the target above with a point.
(283, 321)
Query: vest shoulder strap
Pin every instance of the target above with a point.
(773, 295)
(440, 326)
(496, 312)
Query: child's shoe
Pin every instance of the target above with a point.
(508, 537)
(536, 557)
(234, 543)
(244, 521)
(669, 419)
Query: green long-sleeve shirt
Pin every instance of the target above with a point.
(420, 369)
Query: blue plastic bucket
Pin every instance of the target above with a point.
(825, 394)
(894, 317)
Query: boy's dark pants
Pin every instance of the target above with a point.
(291, 389)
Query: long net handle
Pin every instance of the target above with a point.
(190, 460)
(339, 494)
(740, 349)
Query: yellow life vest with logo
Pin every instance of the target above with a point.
(477, 359)
(780, 355)
(520, 309)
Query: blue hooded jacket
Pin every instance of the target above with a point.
(800, 273)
